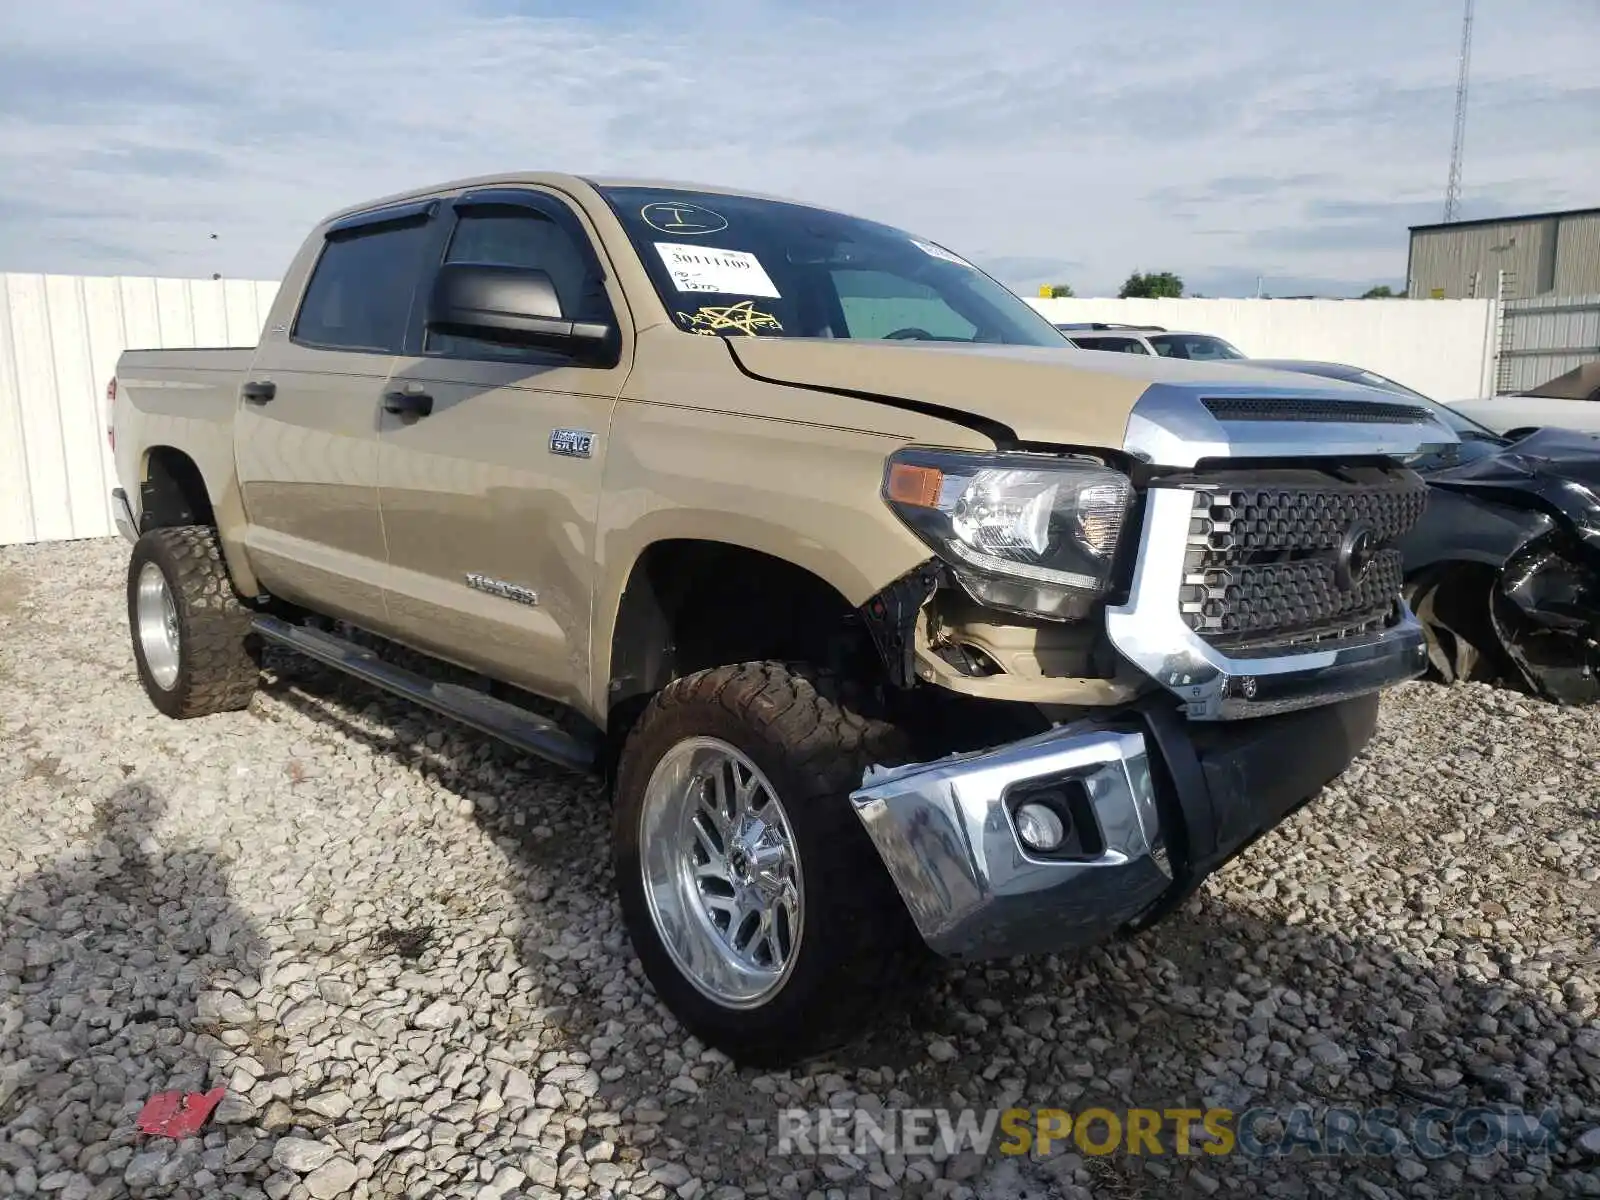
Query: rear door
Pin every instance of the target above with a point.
(306, 437)
(490, 500)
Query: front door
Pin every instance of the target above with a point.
(306, 435)
(490, 500)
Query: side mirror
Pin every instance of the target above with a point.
(514, 306)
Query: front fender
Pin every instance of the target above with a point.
(807, 495)
(1458, 527)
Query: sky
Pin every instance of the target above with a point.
(1051, 142)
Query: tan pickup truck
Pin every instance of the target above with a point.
(896, 622)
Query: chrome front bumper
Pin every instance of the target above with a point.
(1150, 632)
(122, 514)
(947, 834)
(1155, 809)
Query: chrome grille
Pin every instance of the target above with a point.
(1274, 563)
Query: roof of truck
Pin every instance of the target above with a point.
(561, 181)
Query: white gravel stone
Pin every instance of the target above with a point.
(1410, 1169)
(233, 1110)
(144, 1169)
(301, 1154)
(333, 1178)
(333, 1105)
(672, 1175)
(441, 1014)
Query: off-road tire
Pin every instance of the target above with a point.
(218, 667)
(859, 952)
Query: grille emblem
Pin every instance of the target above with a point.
(1355, 555)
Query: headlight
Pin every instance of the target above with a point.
(1025, 533)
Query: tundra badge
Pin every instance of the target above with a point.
(499, 587)
(574, 443)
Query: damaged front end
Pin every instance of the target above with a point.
(1546, 614)
(1504, 568)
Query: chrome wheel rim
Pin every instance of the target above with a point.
(721, 872)
(157, 616)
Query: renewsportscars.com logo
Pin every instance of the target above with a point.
(1331, 1132)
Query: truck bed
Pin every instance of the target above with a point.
(184, 398)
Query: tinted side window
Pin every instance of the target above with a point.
(360, 293)
(1118, 344)
(523, 237)
(1180, 346)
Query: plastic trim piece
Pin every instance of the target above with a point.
(416, 213)
(122, 514)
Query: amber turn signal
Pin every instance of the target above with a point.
(916, 485)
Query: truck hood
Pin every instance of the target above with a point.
(1087, 398)
(1038, 394)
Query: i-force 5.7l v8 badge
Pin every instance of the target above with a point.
(574, 443)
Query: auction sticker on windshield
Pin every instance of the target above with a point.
(706, 269)
(934, 250)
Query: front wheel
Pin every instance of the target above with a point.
(756, 902)
(191, 636)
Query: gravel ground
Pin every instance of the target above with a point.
(396, 946)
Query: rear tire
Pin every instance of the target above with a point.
(191, 635)
(849, 949)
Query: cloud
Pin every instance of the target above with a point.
(1354, 226)
(1023, 269)
(165, 162)
(57, 86)
(1058, 143)
(1229, 281)
(1236, 188)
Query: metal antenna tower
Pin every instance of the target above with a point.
(1452, 191)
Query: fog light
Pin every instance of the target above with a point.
(1039, 827)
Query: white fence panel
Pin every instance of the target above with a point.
(1442, 348)
(16, 485)
(60, 336)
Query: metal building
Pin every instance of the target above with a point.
(1543, 254)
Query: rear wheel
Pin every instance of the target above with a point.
(191, 636)
(758, 906)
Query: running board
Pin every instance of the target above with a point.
(517, 727)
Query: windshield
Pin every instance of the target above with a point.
(1460, 425)
(1192, 345)
(741, 266)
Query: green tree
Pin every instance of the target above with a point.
(1151, 286)
(1060, 291)
(1382, 292)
